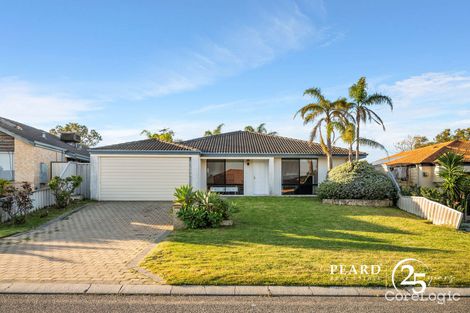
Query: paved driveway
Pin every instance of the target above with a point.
(96, 244)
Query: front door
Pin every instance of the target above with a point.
(260, 177)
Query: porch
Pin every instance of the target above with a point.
(259, 175)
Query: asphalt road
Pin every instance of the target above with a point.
(156, 304)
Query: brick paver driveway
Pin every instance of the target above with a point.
(95, 245)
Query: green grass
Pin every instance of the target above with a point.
(293, 241)
(36, 219)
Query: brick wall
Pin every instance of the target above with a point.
(27, 159)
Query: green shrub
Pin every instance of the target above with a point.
(357, 180)
(3, 186)
(62, 188)
(200, 209)
(433, 194)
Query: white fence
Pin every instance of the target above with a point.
(437, 213)
(43, 197)
(68, 169)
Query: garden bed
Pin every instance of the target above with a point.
(359, 202)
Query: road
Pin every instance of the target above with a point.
(156, 304)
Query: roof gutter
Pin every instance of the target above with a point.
(142, 152)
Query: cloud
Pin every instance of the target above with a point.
(242, 48)
(254, 104)
(23, 101)
(423, 105)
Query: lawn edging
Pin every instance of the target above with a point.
(192, 290)
(49, 222)
(359, 202)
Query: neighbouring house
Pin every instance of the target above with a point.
(26, 153)
(419, 167)
(234, 163)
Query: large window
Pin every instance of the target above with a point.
(299, 176)
(6, 166)
(225, 176)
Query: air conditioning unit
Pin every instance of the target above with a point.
(70, 137)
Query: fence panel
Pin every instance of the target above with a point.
(41, 198)
(57, 168)
(83, 170)
(437, 213)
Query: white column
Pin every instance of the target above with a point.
(195, 172)
(271, 176)
(94, 177)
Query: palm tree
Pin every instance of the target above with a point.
(216, 131)
(324, 113)
(348, 135)
(361, 107)
(164, 134)
(455, 181)
(261, 129)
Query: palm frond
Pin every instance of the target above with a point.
(315, 93)
(378, 98)
(372, 143)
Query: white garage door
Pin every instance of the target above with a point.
(142, 178)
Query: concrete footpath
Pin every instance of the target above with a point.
(48, 288)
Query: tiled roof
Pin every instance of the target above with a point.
(41, 136)
(146, 145)
(243, 142)
(238, 142)
(429, 154)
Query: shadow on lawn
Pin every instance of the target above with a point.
(314, 226)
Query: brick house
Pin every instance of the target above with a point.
(26, 153)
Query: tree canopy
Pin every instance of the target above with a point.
(89, 138)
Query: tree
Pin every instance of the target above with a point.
(261, 129)
(361, 102)
(411, 143)
(216, 131)
(455, 183)
(324, 114)
(347, 129)
(164, 134)
(89, 138)
(447, 135)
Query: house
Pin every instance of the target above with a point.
(26, 153)
(236, 163)
(418, 167)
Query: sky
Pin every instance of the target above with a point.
(123, 66)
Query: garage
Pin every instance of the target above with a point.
(141, 178)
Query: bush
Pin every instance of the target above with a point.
(24, 203)
(200, 209)
(432, 194)
(17, 202)
(3, 187)
(357, 180)
(62, 188)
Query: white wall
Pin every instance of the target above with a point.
(426, 176)
(277, 186)
(323, 166)
(94, 176)
(203, 175)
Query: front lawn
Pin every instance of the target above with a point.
(293, 241)
(36, 219)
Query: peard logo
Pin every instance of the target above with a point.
(414, 279)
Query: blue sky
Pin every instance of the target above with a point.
(124, 66)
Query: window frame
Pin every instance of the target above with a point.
(11, 156)
(241, 187)
(314, 183)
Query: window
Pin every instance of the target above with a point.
(6, 166)
(299, 176)
(225, 176)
